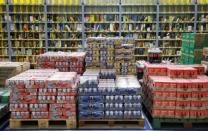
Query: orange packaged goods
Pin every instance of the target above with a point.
(64, 61)
(182, 93)
(43, 94)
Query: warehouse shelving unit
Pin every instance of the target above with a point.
(47, 25)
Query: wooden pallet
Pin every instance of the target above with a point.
(111, 123)
(174, 123)
(42, 124)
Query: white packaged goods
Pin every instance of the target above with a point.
(39, 94)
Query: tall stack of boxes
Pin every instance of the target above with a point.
(175, 91)
(111, 53)
(43, 94)
(192, 47)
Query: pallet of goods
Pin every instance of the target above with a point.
(111, 53)
(63, 61)
(10, 69)
(175, 94)
(43, 98)
(109, 102)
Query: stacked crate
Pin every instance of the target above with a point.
(109, 53)
(9, 69)
(175, 91)
(64, 61)
(205, 59)
(43, 95)
(192, 45)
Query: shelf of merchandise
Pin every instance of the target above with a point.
(140, 22)
(173, 21)
(29, 28)
(4, 40)
(101, 19)
(64, 25)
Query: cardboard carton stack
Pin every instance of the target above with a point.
(10, 69)
(64, 61)
(43, 94)
(175, 91)
(192, 47)
(111, 53)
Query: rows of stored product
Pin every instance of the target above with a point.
(33, 27)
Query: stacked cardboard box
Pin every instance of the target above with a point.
(192, 46)
(117, 53)
(9, 69)
(109, 98)
(64, 61)
(43, 94)
(205, 59)
(169, 93)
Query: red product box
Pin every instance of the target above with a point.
(24, 100)
(47, 92)
(197, 95)
(38, 107)
(202, 114)
(164, 104)
(19, 107)
(167, 113)
(20, 115)
(156, 113)
(39, 115)
(196, 104)
(182, 114)
(181, 105)
(164, 95)
(200, 69)
(184, 96)
(183, 85)
(193, 114)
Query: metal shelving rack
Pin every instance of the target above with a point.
(119, 11)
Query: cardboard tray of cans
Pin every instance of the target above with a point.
(43, 94)
(64, 61)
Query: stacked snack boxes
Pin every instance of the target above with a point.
(192, 47)
(205, 59)
(64, 61)
(109, 53)
(43, 94)
(9, 69)
(175, 91)
(106, 97)
(154, 55)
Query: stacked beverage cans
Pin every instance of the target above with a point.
(64, 61)
(154, 55)
(43, 94)
(111, 53)
(106, 97)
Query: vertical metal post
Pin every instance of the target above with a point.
(46, 25)
(83, 26)
(196, 16)
(8, 30)
(120, 16)
(157, 22)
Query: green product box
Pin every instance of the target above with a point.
(196, 52)
(195, 59)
